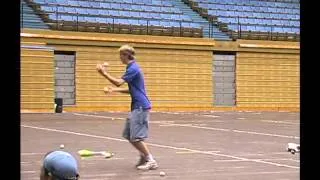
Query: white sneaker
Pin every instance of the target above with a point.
(141, 161)
(149, 165)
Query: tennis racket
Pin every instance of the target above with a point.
(89, 153)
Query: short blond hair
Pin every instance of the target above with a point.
(127, 48)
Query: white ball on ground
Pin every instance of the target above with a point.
(61, 146)
(162, 173)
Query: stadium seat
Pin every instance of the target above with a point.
(105, 5)
(90, 13)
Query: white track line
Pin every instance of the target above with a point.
(237, 160)
(161, 146)
(206, 115)
(31, 154)
(234, 130)
(169, 123)
(280, 122)
(105, 117)
(98, 175)
(28, 172)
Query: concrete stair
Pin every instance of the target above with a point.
(212, 32)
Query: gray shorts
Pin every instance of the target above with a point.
(137, 125)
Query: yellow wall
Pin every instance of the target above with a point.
(178, 71)
(268, 75)
(170, 81)
(37, 79)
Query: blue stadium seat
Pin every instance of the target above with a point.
(115, 6)
(93, 12)
(117, 1)
(267, 21)
(154, 23)
(73, 3)
(212, 12)
(52, 16)
(185, 24)
(154, 15)
(144, 15)
(128, 1)
(231, 7)
(296, 30)
(51, 1)
(166, 3)
(175, 16)
(47, 9)
(201, 5)
(101, 20)
(196, 25)
(122, 13)
(155, 8)
(277, 29)
(123, 21)
(81, 10)
(259, 28)
(81, 19)
(253, 13)
(230, 13)
(252, 21)
(83, 3)
(246, 8)
(143, 22)
(126, 7)
(105, 5)
(126, 13)
(115, 21)
(135, 7)
(233, 27)
(251, 28)
(40, 1)
(60, 9)
(222, 19)
(158, 3)
(287, 30)
(143, 1)
(110, 20)
(114, 13)
(133, 22)
(165, 16)
(103, 12)
(94, 4)
(165, 9)
(165, 24)
(139, 1)
(66, 18)
(61, 2)
(135, 14)
(185, 17)
(90, 19)
(175, 24)
(243, 27)
(70, 10)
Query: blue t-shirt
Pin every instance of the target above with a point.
(134, 77)
(61, 164)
